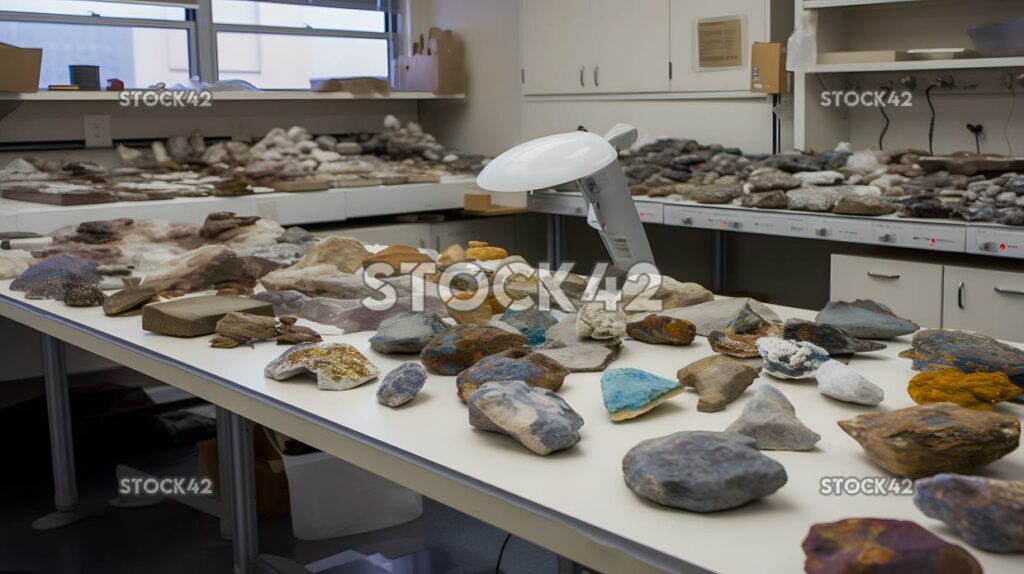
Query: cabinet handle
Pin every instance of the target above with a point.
(581, 75)
(960, 295)
(883, 275)
(597, 70)
(1006, 291)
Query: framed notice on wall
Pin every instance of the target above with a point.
(719, 43)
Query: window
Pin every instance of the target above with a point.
(273, 44)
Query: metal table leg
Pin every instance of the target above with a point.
(245, 540)
(718, 263)
(62, 449)
(224, 486)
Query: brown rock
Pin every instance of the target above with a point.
(344, 253)
(979, 391)
(394, 256)
(718, 379)
(200, 269)
(518, 364)
(247, 325)
(128, 299)
(481, 313)
(739, 339)
(662, 330)
(481, 251)
(81, 293)
(291, 334)
(223, 221)
(461, 346)
(194, 316)
(929, 439)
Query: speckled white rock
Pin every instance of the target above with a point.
(790, 359)
(842, 383)
(596, 322)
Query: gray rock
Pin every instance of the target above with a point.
(406, 332)
(719, 380)
(719, 314)
(812, 198)
(842, 383)
(865, 318)
(863, 205)
(584, 358)
(776, 199)
(790, 359)
(538, 418)
(771, 179)
(827, 177)
(829, 337)
(701, 471)
(402, 384)
(770, 419)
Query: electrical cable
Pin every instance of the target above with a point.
(885, 128)
(497, 567)
(931, 122)
(1009, 119)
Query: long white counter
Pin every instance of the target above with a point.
(293, 208)
(574, 503)
(891, 231)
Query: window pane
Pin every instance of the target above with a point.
(279, 61)
(294, 16)
(79, 8)
(138, 56)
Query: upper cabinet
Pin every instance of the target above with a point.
(644, 46)
(717, 24)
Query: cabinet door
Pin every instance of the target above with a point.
(989, 302)
(555, 40)
(685, 15)
(911, 290)
(630, 46)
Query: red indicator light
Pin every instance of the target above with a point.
(932, 242)
(1002, 247)
(725, 223)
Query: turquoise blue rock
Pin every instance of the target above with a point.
(629, 393)
(532, 323)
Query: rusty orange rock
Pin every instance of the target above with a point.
(979, 391)
(482, 251)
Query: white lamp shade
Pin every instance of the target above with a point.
(546, 162)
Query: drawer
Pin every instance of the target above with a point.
(989, 302)
(557, 204)
(847, 230)
(911, 290)
(682, 215)
(935, 237)
(996, 242)
(651, 212)
(722, 220)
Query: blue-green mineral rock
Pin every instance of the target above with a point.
(532, 323)
(629, 393)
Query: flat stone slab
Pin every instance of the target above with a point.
(866, 319)
(719, 314)
(196, 316)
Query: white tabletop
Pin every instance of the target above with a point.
(573, 502)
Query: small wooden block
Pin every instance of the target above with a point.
(195, 316)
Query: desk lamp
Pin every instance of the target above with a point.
(591, 162)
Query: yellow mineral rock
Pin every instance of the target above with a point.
(485, 252)
(979, 391)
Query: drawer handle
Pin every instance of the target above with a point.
(960, 295)
(883, 275)
(1006, 291)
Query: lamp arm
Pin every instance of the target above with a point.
(615, 216)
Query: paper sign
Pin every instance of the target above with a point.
(720, 43)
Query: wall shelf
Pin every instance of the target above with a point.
(916, 65)
(265, 95)
(819, 4)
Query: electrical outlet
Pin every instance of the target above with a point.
(97, 131)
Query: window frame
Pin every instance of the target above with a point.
(202, 30)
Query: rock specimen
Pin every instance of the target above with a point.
(701, 471)
(128, 299)
(81, 293)
(882, 546)
(842, 383)
(629, 393)
(776, 199)
(739, 339)
(671, 294)
(829, 337)
(464, 307)
(662, 330)
(346, 254)
(247, 326)
(195, 316)
(451, 255)
(482, 251)
(597, 322)
(460, 347)
(45, 280)
(212, 266)
(987, 513)
(968, 352)
(393, 257)
(402, 384)
(337, 366)
(517, 364)
(978, 391)
(14, 262)
(291, 334)
(538, 418)
(929, 439)
(790, 359)
(863, 205)
(576, 354)
(718, 379)
(407, 332)
(770, 419)
(812, 199)
(865, 318)
(719, 314)
(532, 323)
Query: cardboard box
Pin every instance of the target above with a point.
(767, 68)
(360, 85)
(271, 480)
(19, 68)
(437, 65)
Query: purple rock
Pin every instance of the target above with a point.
(45, 280)
(987, 513)
(402, 384)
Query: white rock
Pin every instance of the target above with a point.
(160, 154)
(888, 180)
(14, 262)
(392, 123)
(866, 161)
(325, 156)
(842, 383)
(596, 322)
(828, 177)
